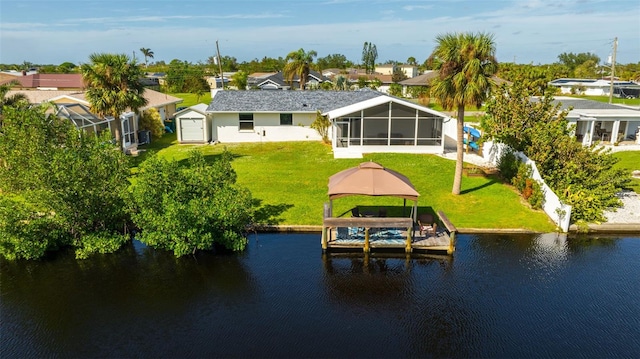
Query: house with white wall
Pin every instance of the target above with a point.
(363, 121)
(595, 87)
(601, 122)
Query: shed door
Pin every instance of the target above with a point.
(191, 129)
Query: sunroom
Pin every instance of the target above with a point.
(387, 124)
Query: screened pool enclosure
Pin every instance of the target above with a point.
(83, 119)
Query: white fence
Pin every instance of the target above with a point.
(559, 212)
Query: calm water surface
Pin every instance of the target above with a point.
(500, 296)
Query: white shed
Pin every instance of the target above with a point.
(193, 124)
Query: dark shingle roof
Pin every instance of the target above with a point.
(579, 104)
(287, 101)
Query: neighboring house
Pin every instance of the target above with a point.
(159, 77)
(193, 124)
(428, 76)
(596, 87)
(216, 83)
(54, 82)
(331, 73)
(165, 104)
(598, 121)
(423, 80)
(276, 81)
(409, 70)
(362, 121)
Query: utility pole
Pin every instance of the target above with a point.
(613, 68)
(220, 65)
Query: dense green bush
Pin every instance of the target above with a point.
(508, 165)
(523, 174)
(536, 195)
(583, 177)
(25, 232)
(152, 121)
(192, 207)
(69, 184)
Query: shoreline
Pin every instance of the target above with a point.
(609, 228)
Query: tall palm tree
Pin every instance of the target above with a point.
(298, 63)
(113, 86)
(467, 62)
(147, 54)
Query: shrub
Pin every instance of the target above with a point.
(151, 121)
(508, 165)
(190, 208)
(70, 188)
(536, 198)
(321, 124)
(523, 175)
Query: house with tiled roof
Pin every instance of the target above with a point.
(362, 121)
(57, 82)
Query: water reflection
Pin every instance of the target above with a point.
(499, 296)
(428, 312)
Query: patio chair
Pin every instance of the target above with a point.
(426, 224)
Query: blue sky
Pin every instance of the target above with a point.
(528, 31)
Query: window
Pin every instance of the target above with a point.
(286, 119)
(246, 122)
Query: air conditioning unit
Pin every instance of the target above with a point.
(144, 137)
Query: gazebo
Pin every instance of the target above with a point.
(378, 232)
(372, 179)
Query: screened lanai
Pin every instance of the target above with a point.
(384, 124)
(83, 119)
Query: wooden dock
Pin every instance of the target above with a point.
(368, 234)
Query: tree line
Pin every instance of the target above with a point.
(569, 64)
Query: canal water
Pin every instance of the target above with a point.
(500, 296)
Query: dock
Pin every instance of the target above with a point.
(369, 234)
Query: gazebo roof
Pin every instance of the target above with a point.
(371, 179)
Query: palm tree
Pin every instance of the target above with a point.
(12, 100)
(147, 54)
(467, 62)
(298, 63)
(113, 86)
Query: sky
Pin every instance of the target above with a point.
(527, 31)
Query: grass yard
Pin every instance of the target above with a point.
(290, 181)
(630, 161)
(192, 99)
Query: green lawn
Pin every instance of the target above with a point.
(630, 161)
(192, 99)
(290, 179)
